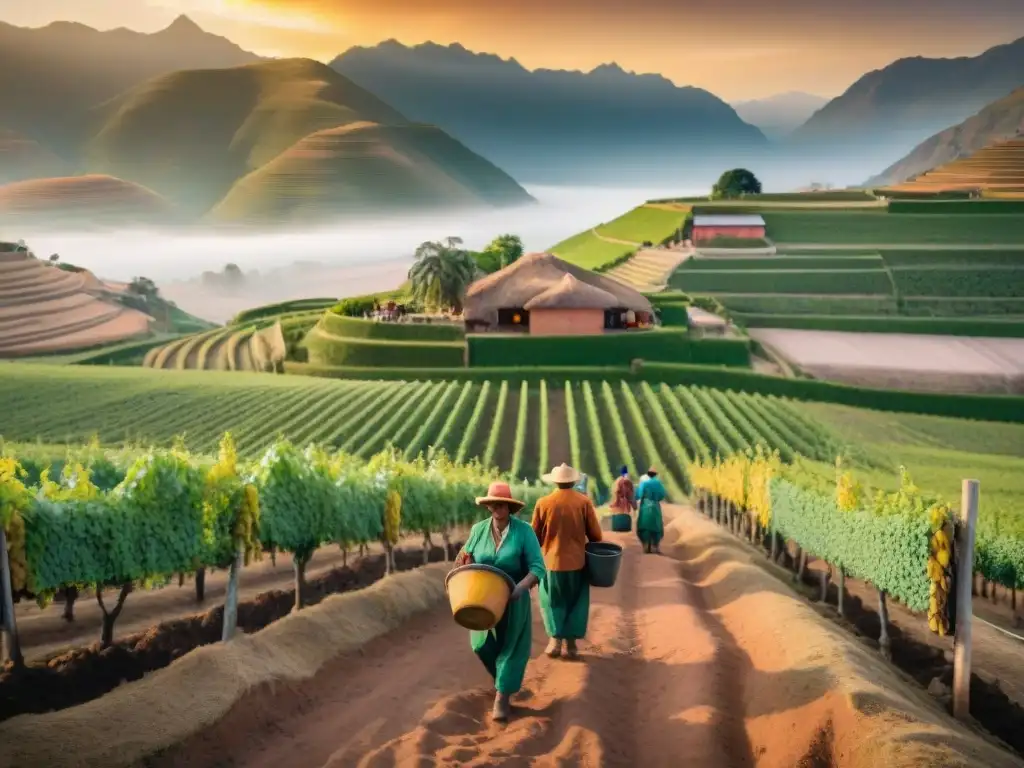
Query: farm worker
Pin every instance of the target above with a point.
(650, 526)
(509, 544)
(563, 521)
(623, 501)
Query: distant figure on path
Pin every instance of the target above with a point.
(504, 542)
(650, 526)
(564, 521)
(623, 502)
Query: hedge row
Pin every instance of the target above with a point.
(796, 304)
(963, 257)
(665, 345)
(1008, 408)
(947, 194)
(927, 306)
(358, 328)
(941, 326)
(280, 308)
(944, 207)
(797, 281)
(995, 282)
(325, 349)
(809, 262)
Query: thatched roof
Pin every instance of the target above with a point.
(518, 284)
(570, 293)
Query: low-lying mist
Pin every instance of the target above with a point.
(342, 260)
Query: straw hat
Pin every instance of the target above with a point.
(499, 492)
(563, 473)
(652, 471)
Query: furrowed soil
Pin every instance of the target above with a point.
(698, 659)
(86, 673)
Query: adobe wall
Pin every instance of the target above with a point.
(566, 322)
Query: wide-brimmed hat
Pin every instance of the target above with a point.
(563, 473)
(652, 471)
(499, 493)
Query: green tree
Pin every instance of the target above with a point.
(442, 273)
(736, 183)
(506, 248)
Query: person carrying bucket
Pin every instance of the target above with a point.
(623, 502)
(650, 525)
(564, 521)
(509, 544)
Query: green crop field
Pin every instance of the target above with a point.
(795, 304)
(967, 257)
(645, 223)
(881, 228)
(797, 281)
(667, 424)
(960, 282)
(815, 262)
(589, 251)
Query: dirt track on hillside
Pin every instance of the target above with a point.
(685, 664)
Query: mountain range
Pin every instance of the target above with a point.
(550, 126)
(190, 116)
(887, 112)
(781, 114)
(1000, 120)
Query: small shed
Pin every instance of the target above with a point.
(570, 308)
(740, 226)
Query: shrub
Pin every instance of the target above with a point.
(667, 345)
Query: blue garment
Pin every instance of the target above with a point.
(650, 525)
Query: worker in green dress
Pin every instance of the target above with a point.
(650, 525)
(564, 521)
(509, 544)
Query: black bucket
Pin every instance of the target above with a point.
(603, 561)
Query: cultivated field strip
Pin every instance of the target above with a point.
(598, 426)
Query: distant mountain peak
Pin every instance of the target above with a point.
(183, 25)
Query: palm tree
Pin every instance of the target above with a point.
(442, 273)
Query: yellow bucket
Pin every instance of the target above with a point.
(478, 595)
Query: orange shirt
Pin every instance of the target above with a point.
(564, 521)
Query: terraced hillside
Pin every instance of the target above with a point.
(918, 290)
(650, 270)
(83, 201)
(998, 168)
(518, 427)
(45, 310)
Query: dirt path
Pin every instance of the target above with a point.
(662, 677)
(599, 236)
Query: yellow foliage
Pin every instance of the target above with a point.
(392, 517)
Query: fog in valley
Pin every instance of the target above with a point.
(325, 261)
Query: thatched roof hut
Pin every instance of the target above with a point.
(570, 293)
(538, 281)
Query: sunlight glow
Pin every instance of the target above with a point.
(250, 13)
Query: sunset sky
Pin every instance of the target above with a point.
(735, 48)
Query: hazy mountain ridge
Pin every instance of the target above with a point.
(781, 113)
(915, 97)
(1000, 120)
(50, 77)
(549, 125)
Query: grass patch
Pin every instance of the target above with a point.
(589, 251)
(645, 223)
(879, 227)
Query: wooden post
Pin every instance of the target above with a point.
(231, 599)
(10, 625)
(840, 607)
(964, 559)
(884, 641)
